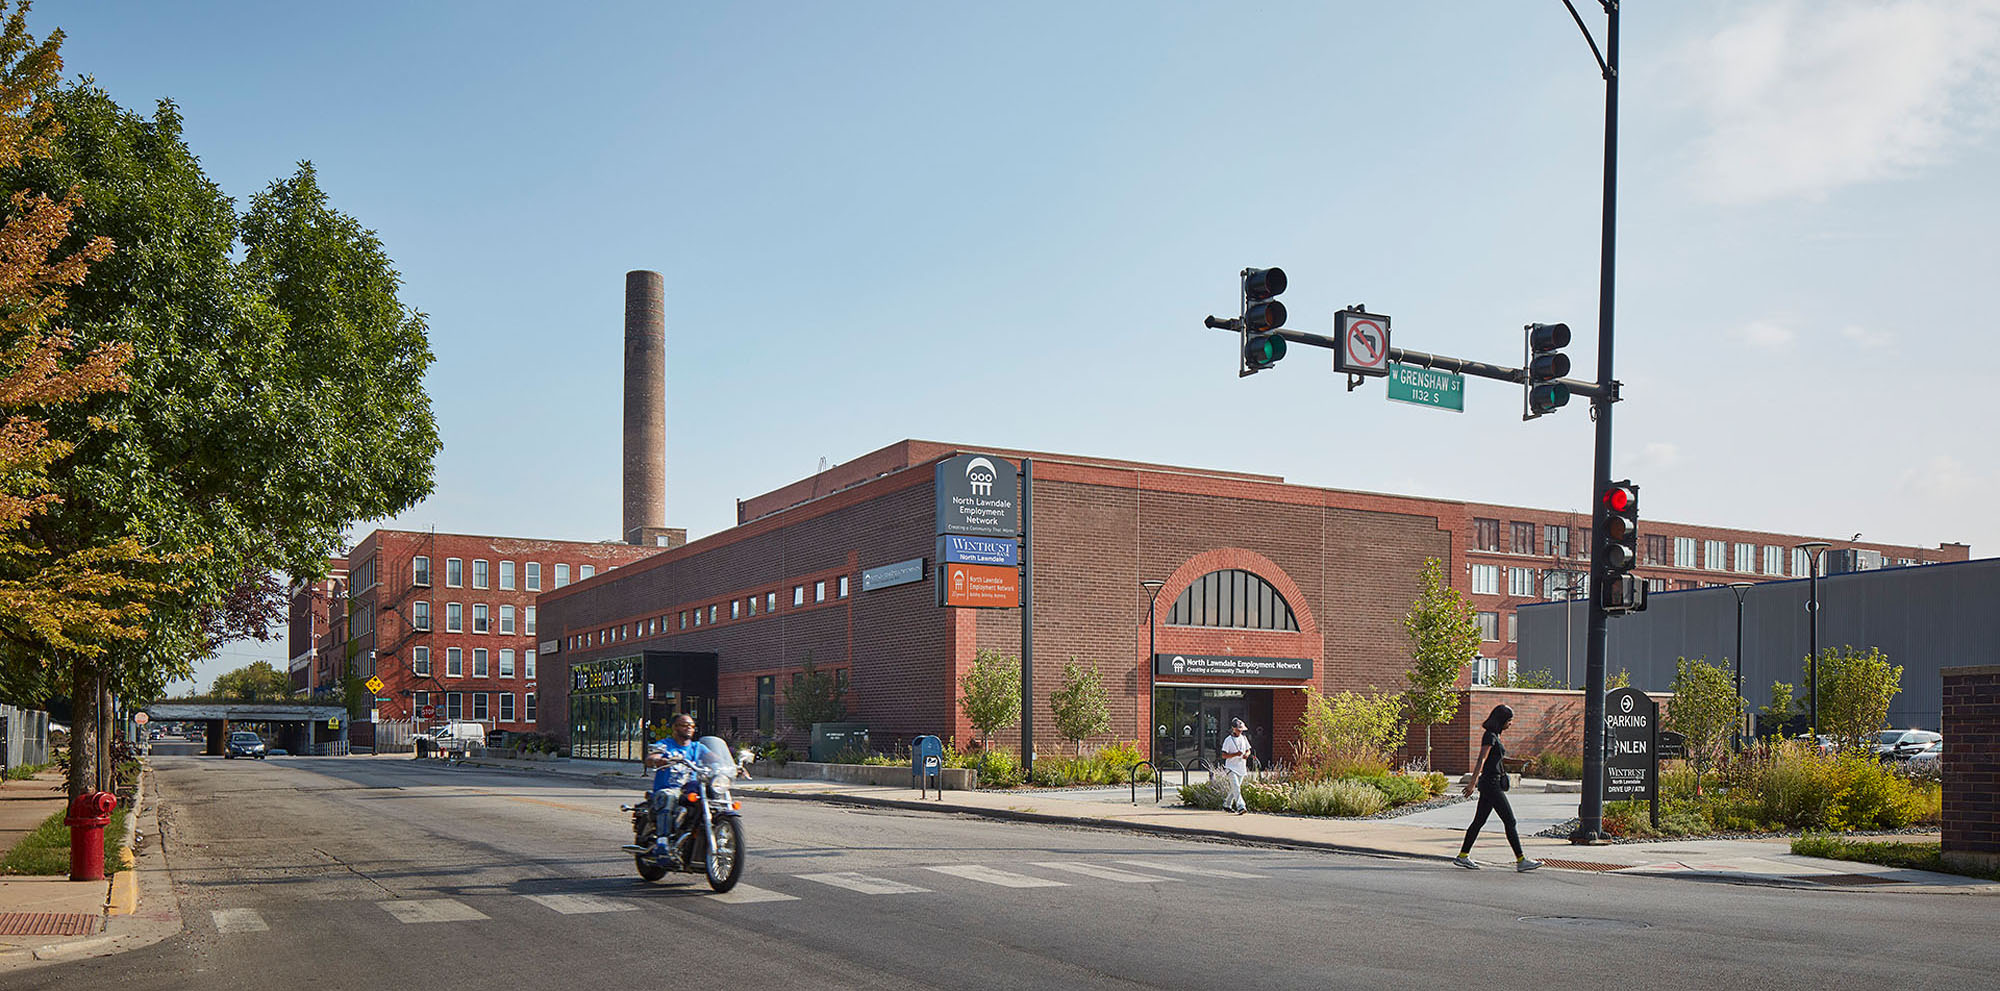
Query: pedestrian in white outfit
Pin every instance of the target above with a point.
(1235, 765)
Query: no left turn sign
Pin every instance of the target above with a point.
(1361, 343)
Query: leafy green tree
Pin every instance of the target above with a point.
(990, 693)
(1444, 638)
(1620, 678)
(1081, 706)
(274, 394)
(1538, 679)
(1705, 709)
(1780, 710)
(814, 696)
(1854, 693)
(1350, 731)
(255, 682)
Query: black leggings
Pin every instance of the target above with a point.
(1493, 800)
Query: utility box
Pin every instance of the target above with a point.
(829, 739)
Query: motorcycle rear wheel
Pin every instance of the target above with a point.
(725, 860)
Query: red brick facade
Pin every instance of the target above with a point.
(1972, 766)
(1545, 722)
(311, 609)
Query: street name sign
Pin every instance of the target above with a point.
(1426, 387)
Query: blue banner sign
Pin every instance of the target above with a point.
(1004, 552)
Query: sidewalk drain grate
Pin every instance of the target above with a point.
(48, 923)
(1848, 879)
(1581, 865)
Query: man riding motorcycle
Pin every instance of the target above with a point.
(672, 776)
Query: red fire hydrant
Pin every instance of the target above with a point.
(88, 814)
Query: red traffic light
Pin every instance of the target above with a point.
(1619, 499)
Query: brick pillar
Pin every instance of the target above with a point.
(1288, 708)
(1972, 766)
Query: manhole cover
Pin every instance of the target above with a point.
(48, 923)
(1581, 922)
(1582, 865)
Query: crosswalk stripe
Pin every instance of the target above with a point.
(1184, 869)
(744, 894)
(863, 883)
(1101, 872)
(239, 920)
(431, 910)
(581, 904)
(989, 875)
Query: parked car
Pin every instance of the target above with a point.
(1901, 744)
(1930, 756)
(244, 743)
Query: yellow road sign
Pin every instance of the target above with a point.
(374, 684)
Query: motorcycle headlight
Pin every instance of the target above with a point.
(719, 790)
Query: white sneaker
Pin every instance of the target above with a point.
(1526, 864)
(1468, 863)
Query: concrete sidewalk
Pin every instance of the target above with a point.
(1432, 834)
(48, 919)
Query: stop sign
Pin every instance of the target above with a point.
(140, 718)
(430, 711)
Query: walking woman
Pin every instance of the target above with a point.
(1490, 777)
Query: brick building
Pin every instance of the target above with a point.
(310, 608)
(1314, 581)
(446, 620)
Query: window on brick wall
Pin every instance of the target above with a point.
(1521, 538)
(507, 575)
(1513, 628)
(479, 711)
(1489, 625)
(1746, 558)
(1232, 598)
(454, 618)
(506, 707)
(479, 668)
(478, 574)
(420, 570)
(532, 576)
(562, 575)
(420, 661)
(454, 572)
(1712, 552)
(507, 620)
(843, 586)
(528, 664)
(506, 663)
(528, 708)
(1486, 579)
(1521, 581)
(1659, 550)
(454, 662)
(1485, 535)
(479, 618)
(1774, 560)
(420, 615)
(1555, 540)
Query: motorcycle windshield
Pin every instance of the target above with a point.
(716, 757)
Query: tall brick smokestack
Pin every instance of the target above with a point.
(645, 408)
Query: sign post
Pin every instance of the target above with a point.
(1631, 748)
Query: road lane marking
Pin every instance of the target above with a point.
(988, 875)
(239, 920)
(744, 894)
(1183, 869)
(431, 910)
(1101, 872)
(863, 883)
(581, 904)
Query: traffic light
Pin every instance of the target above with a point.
(1618, 526)
(1262, 314)
(1546, 365)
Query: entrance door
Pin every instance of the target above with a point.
(1191, 723)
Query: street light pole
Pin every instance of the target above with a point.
(1815, 551)
(1152, 585)
(1741, 716)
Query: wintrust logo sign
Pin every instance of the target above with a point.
(976, 496)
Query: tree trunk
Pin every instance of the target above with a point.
(83, 728)
(1427, 746)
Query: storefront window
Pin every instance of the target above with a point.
(607, 709)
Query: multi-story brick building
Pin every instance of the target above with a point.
(311, 606)
(448, 621)
(1278, 586)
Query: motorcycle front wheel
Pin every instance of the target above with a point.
(648, 869)
(725, 861)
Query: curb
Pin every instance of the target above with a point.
(124, 897)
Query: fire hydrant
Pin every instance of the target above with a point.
(88, 814)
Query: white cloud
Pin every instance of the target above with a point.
(1766, 335)
(1943, 479)
(1657, 456)
(1803, 99)
(1871, 340)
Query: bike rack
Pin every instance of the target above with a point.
(1132, 778)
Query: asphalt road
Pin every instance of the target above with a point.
(369, 873)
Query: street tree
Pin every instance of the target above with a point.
(254, 682)
(1444, 638)
(1081, 707)
(814, 696)
(990, 693)
(1780, 710)
(273, 395)
(1704, 710)
(1855, 689)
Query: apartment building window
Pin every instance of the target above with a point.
(767, 704)
(454, 662)
(684, 619)
(735, 608)
(454, 572)
(752, 604)
(1801, 562)
(506, 707)
(528, 620)
(1657, 550)
(770, 602)
(1746, 558)
(1486, 579)
(843, 586)
(478, 573)
(528, 665)
(1555, 540)
(1513, 628)
(528, 707)
(584, 571)
(1521, 538)
(712, 611)
(1683, 552)
(506, 663)
(479, 711)
(479, 618)
(531, 578)
(697, 619)
(1520, 581)
(421, 699)
(1489, 626)
(1711, 555)
(420, 571)
(420, 615)
(1656, 584)
(507, 575)
(819, 591)
(507, 620)
(1774, 560)
(798, 595)
(454, 706)
(1555, 584)
(454, 618)
(562, 575)
(1485, 535)
(479, 668)
(420, 662)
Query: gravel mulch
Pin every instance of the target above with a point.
(1562, 830)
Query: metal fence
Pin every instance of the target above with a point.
(393, 736)
(24, 736)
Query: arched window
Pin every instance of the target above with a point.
(1232, 598)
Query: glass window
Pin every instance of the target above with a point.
(697, 618)
(420, 615)
(1232, 598)
(1520, 581)
(798, 595)
(819, 591)
(1774, 560)
(752, 604)
(531, 579)
(479, 623)
(584, 571)
(1555, 540)
(479, 667)
(454, 706)
(506, 663)
(1522, 538)
(528, 664)
(770, 602)
(1658, 550)
(1513, 628)
(684, 619)
(454, 572)
(506, 707)
(1746, 558)
(1711, 555)
(420, 570)
(528, 708)
(528, 620)
(1486, 579)
(711, 613)
(1485, 535)
(507, 575)
(562, 575)
(454, 662)
(507, 619)
(1801, 563)
(479, 706)
(1489, 626)
(735, 608)
(843, 586)
(420, 662)
(421, 699)
(478, 574)
(454, 618)
(1683, 552)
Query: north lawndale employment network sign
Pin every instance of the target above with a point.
(976, 495)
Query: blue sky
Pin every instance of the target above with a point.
(1003, 226)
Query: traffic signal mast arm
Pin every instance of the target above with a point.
(1478, 369)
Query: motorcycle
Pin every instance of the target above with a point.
(705, 828)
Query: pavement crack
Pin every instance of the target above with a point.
(351, 869)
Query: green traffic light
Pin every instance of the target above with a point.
(1548, 397)
(1263, 351)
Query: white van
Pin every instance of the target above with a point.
(450, 738)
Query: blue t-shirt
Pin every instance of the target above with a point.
(673, 776)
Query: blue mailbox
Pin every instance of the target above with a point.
(927, 764)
